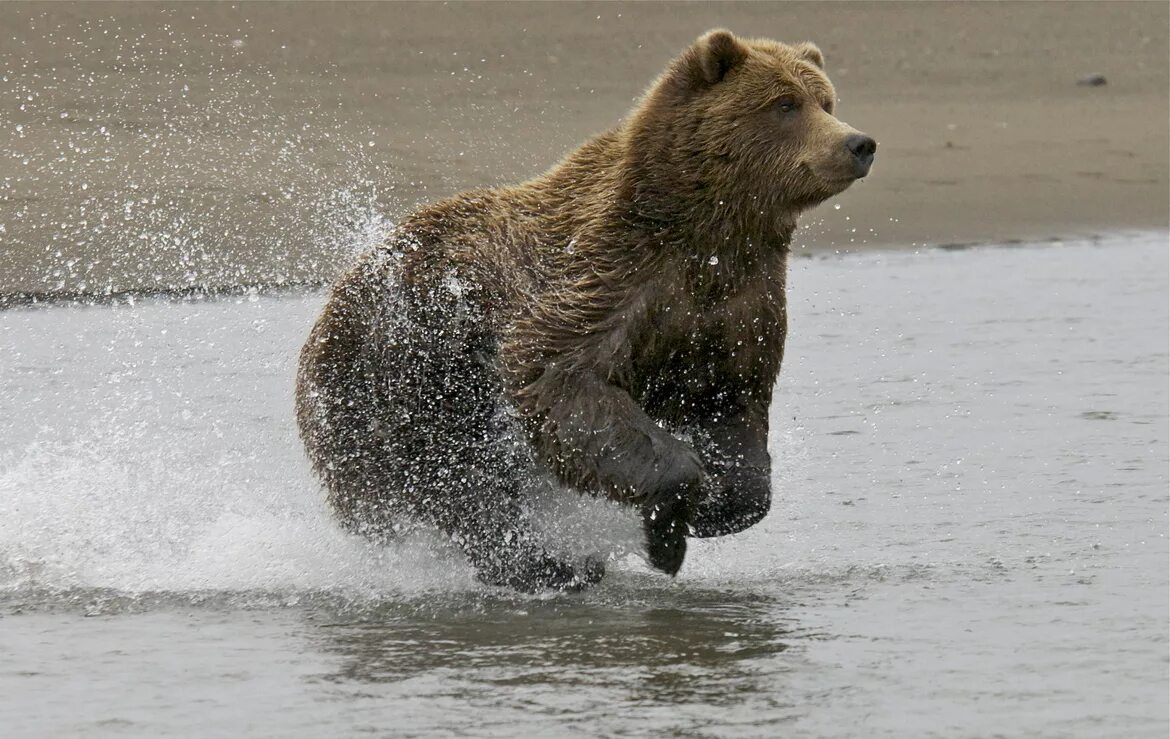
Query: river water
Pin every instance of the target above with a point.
(968, 536)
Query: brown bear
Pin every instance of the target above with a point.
(615, 325)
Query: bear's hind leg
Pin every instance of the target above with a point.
(465, 464)
(495, 533)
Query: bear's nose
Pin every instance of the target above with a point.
(863, 148)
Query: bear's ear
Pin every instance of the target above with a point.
(809, 52)
(710, 58)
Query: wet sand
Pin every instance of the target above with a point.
(149, 146)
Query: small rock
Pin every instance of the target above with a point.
(1092, 80)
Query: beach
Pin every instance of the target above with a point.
(969, 437)
(161, 147)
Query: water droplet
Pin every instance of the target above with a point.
(836, 206)
(713, 260)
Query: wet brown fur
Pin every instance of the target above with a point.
(618, 321)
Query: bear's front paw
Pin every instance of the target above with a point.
(665, 524)
(732, 502)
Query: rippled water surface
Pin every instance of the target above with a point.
(969, 535)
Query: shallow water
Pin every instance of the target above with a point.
(968, 538)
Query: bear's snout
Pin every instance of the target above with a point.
(862, 148)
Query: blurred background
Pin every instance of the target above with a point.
(151, 146)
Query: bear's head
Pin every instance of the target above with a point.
(746, 124)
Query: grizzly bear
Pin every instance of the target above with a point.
(614, 325)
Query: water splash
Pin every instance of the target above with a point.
(148, 160)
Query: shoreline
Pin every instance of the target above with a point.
(162, 147)
(200, 293)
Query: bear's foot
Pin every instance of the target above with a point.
(664, 524)
(540, 572)
(741, 501)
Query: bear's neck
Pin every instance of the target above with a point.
(687, 216)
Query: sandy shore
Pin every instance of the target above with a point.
(147, 146)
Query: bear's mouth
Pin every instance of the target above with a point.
(836, 181)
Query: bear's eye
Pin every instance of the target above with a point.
(787, 105)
